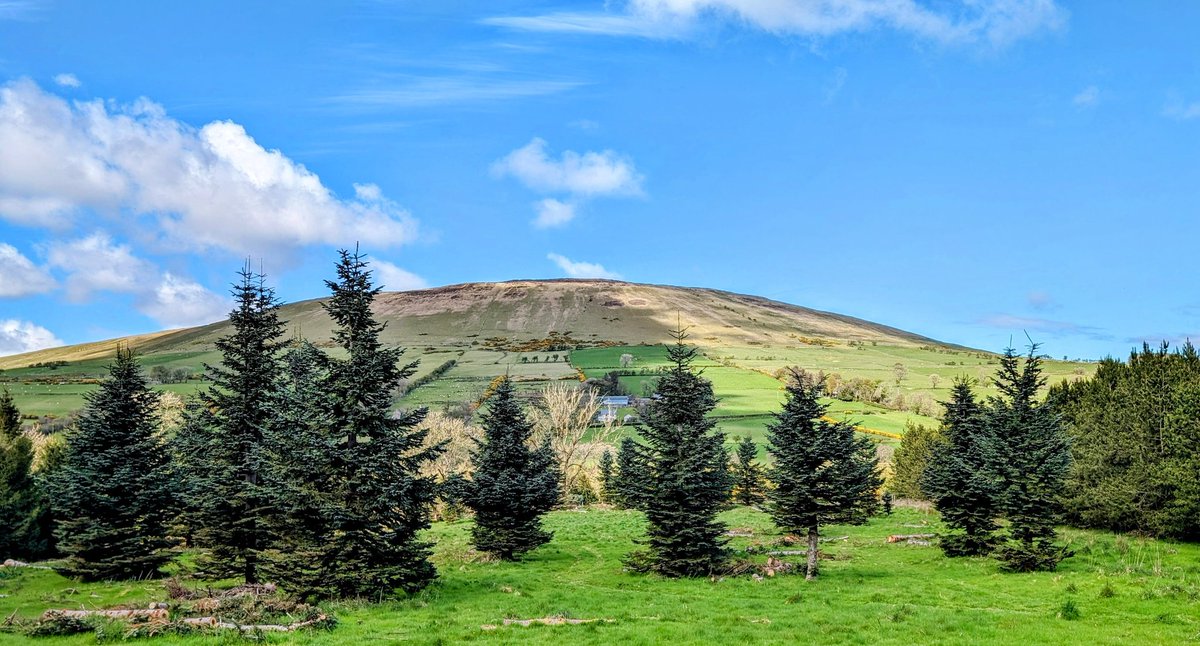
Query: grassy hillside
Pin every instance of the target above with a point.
(539, 331)
(1116, 590)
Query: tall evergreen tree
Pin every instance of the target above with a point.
(1034, 457)
(961, 476)
(747, 473)
(223, 440)
(300, 478)
(688, 479)
(24, 512)
(607, 465)
(376, 501)
(823, 472)
(110, 493)
(911, 460)
(512, 485)
(630, 484)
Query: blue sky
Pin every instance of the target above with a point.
(966, 170)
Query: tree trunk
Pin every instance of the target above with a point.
(811, 572)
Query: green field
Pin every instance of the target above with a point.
(1126, 590)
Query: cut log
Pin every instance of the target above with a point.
(149, 614)
(213, 622)
(908, 538)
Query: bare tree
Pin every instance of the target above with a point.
(459, 437)
(900, 372)
(626, 360)
(566, 415)
(934, 381)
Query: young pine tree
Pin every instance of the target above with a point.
(606, 475)
(960, 476)
(823, 472)
(24, 512)
(687, 467)
(630, 486)
(222, 443)
(1034, 457)
(747, 474)
(113, 491)
(512, 485)
(378, 499)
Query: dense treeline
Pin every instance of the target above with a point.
(1135, 429)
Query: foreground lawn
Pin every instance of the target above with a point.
(1124, 591)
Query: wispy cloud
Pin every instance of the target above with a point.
(1040, 300)
(1088, 97)
(1045, 326)
(395, 279)
(67, 80)
(19, 276)
(429, 92)
(20, 9)
(575, 269)
(1180, 110)
(993, 22)
(575, 175)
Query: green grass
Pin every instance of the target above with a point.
(1126, 591)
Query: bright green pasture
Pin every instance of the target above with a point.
(1126, 590)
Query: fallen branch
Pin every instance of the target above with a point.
(213, 622)
(149, 614)
(919, 539)
(16, 563)
(835, 538)
(545, 621)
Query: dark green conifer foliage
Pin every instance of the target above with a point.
(300, 478)
(823, 472)
(912, 459)
(747, 473)
(607, 464)
(24, 510)
(378, 500)
(512, 485)
(1034, 457)
(688, 479)
(630, 484)
(223, 448)
(886, 499)
(961, 478)
(110, 494)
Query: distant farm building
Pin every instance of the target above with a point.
(609, 407)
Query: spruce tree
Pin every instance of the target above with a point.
(1034, 457)
(747, 474)
(115, 485)
(630, 486)
(687, 475)
(24, 512)
(960, 477)
(223, 447)
(606, 475)
(300, 478)
(512, 485)
(823, 472)
(377, 500)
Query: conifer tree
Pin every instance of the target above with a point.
(512, 485)
(630, 486)
(111, 492)
(960, 478)
(222, 444)
(376, 501)
(747, 474)
(606, 475)
(687, 467)
(823, 472)
(300, 477)
(1034, 456)
(24, 512)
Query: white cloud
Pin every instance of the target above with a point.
(96, 263)
(592, 173)
(67, 80)
(22, 336)
(995, 22)
(1088, 97)
(1180, 110)
(395, 279)
(430, 92)
(179, 302)
(553, 213)
(208, 187)
(19, 276)
(582, 269)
